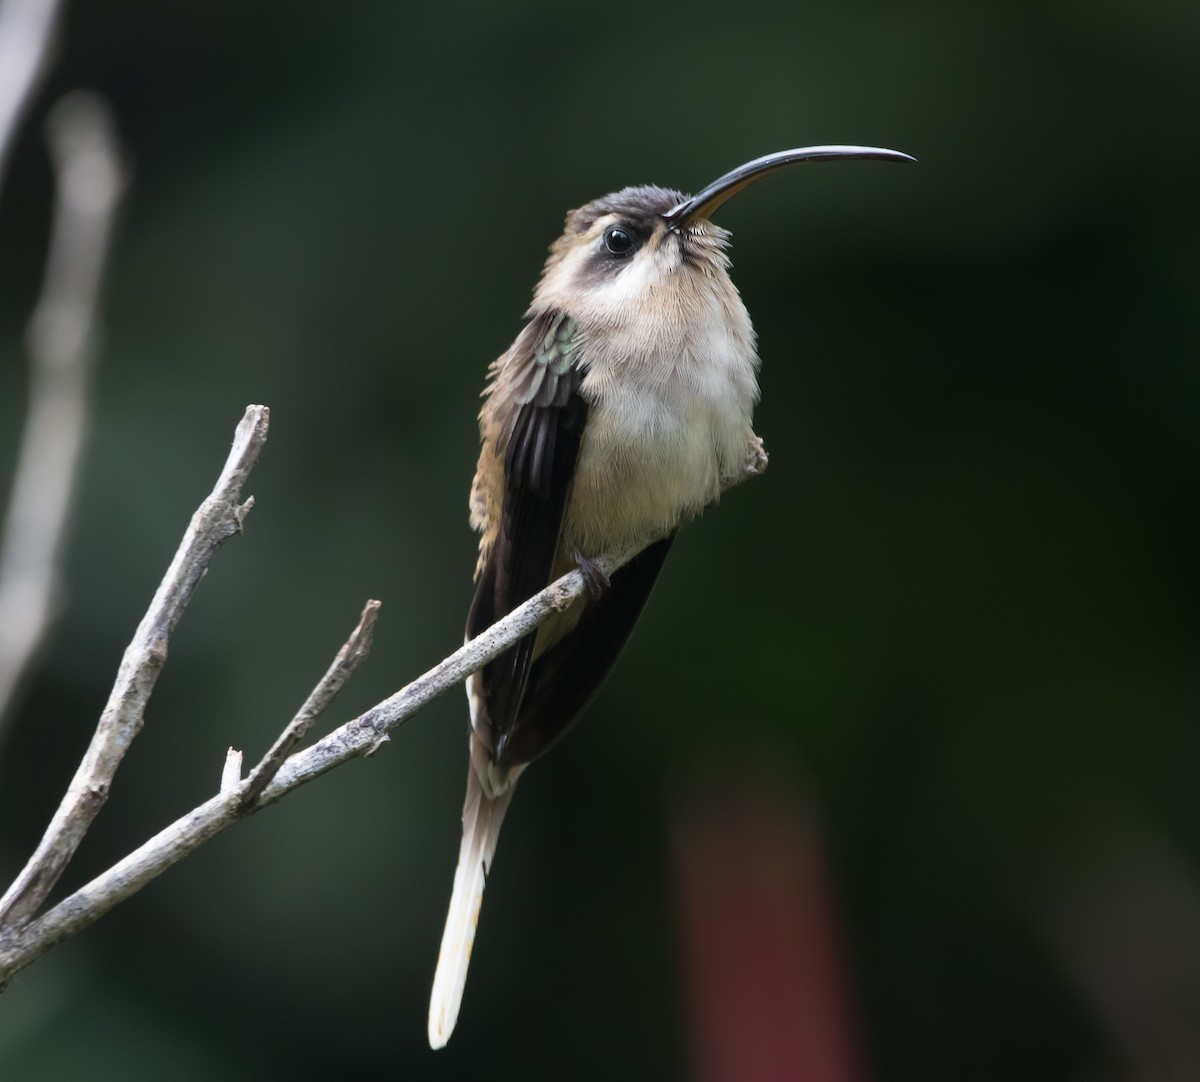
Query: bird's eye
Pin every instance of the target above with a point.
(618, 241)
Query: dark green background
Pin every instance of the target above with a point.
(963, 599)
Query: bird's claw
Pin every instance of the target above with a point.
(594, 577)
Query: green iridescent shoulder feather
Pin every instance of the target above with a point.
(549, 379)
(542, 370)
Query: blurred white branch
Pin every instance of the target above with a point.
(63, 338)
(26, 31)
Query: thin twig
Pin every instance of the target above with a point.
(349, 657)
(63, 340)
(218, 518)
(26, 31)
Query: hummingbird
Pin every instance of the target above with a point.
(621, 410)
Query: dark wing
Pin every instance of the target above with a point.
(540, 445)
(563, 680)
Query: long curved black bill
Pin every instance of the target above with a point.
(705, 202)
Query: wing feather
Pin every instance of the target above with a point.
(538, 384)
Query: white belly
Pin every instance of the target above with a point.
(654, 454)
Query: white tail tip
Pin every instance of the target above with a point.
(481, 830)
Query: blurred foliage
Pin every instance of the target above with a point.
(965, 594)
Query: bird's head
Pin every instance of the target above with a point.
(649, 250)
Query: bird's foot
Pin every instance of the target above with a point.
(756, 458)
(593, 576)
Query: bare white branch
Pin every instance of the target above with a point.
(26, 31)
(25, 938)
(63, 337)
(218, 518)
(21, 944)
